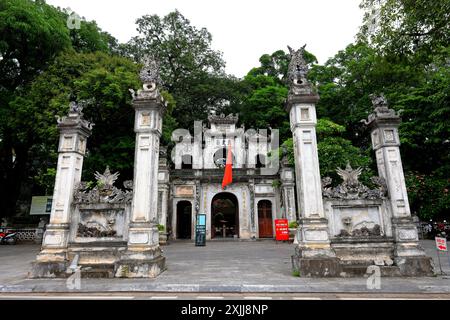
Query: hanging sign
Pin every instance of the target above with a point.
(200, 230)
(281, 229)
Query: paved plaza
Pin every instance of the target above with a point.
(221, 266)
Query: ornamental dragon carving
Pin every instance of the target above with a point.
(104, 190)
(351, 187)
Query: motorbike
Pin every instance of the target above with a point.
(8, 237)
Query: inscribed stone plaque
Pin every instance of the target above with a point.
(184, 190)
(389, 135)
(145, 119)
(139, 238)
(304, 114)
(53, 239)
(410, 234)
(313, 235)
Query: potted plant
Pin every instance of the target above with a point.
(162, 234)
(292, 230)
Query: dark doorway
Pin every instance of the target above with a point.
(184, 220)
(224, 216)
(265, 219)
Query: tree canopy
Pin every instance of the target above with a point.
(401, 50)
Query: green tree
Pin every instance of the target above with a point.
(334, 151)
(32, 35)
(190, 69)
(405, 27)
(101, 80)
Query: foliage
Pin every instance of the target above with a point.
(334, 151)
(190, 69)
(407, 26)
(293, 225)
(31, 35)
(429, 195)
(406, 57)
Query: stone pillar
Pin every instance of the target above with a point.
(163, 190)
(143, 256)
(384, 123)
(74, 131)
(314, 253)
(288, 192)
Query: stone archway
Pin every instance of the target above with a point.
(224, 216)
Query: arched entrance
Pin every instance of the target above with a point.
(184, 220)
(224, 216)
(265, 225)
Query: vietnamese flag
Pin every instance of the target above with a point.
(228, 175)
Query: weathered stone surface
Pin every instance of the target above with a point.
(48, 270)
(134, 268)
(318, 267)
(415, 266)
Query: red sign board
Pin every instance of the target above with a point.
(281, 230)
(441, 244)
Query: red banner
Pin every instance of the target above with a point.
(281, 230)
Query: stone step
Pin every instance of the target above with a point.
(359, 270)
(97, 270)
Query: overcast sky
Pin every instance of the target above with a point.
(242, 29)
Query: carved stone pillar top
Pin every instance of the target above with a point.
(300, 90)
(74, 121)
(382, 114)
(149, 96)
(383, 123)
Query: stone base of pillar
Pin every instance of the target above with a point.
(317, 267)
(418, 266)
(143, 257)
(314, 239)
(50, 263)
(314, 256)
(143, 264)
(409, 256)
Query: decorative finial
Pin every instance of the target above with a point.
(75, 107)
(151, 79)
(381, 109)
(106, 179)
(298, 68)
(150, 72)
(378, 101)
(75, 116)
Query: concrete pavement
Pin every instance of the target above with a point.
(238, 267)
